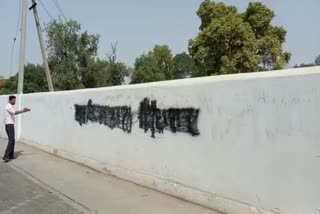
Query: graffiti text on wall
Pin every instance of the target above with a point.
(113, 117)
(173, 119)
(184, 120)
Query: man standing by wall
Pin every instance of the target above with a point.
(9, 120)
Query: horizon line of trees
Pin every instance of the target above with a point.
(228, 42)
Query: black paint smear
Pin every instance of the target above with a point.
(173, 119)
(113, 117)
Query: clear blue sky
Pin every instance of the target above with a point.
(139, 25)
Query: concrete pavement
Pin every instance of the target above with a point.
(38, 182)
(21, 195)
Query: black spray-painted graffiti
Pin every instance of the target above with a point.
(173, 119)
(113, 117)
(150, 117)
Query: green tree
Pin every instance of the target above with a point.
(157, 65)
(317, 61)
(34, 81)
(233, 42)
(183, 66)
(270, 38)
(72, 55)
(115, 71)
(210, 11)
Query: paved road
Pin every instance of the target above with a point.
(21, 195)
(39, 183)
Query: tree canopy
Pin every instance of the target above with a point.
(317, 61)
(234, 42)
(34, 81)
(73, 58)
(159, 64)
(183, 66)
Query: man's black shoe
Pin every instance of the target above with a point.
(6, 159)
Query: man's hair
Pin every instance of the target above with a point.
(12, 97)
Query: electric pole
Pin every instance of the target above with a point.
(42, 46)
(22, 60)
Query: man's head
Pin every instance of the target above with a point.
(12, 100)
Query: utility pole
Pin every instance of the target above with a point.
(24, 8)
(22, 45)
(42, 46)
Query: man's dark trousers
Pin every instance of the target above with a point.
(9, 154)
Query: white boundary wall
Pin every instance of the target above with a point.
(258, 150)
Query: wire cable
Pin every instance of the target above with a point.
(46, 10)
(15, 39)
(57, 4)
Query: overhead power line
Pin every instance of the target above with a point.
(58, 6)
(15, 38)
(46, 10)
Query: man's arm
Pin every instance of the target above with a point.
(12, 111)
(19, 112)
(22, 111)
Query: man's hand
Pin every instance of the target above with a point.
(26, 110)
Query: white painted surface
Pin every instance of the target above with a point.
(258, 149)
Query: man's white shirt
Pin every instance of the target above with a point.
(9, 114)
